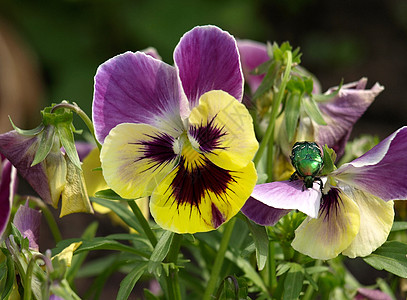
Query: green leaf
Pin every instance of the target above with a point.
(121, 211)
(268, 80)
(65, 134)
(128, 283)
(312, 110)
(29, 132)
(108, 194)
(293, 282)
(398, 226)
(329, 157)
(148, 295)
(160, 251)
(8, 286)
(77, 260)
(261, 241)
(292, 114)
(45, 145)
(391, 256)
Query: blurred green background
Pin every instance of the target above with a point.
(67, 40)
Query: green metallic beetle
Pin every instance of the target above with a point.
(306, 158)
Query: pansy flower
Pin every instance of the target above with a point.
(8, 185)
(340, 112)
(178, 133)
(354, 214)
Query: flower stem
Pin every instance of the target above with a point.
(143, 222)
(28, 275)
(272, 268)
(310, 290)
(52, 224)
(274, 111)
(217, 266)
(88, 122)
(174, 291)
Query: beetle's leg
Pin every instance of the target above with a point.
(294, 176)
(321, 184)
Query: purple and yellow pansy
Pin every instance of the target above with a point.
(178, 134)
(354, 212)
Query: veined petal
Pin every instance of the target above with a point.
(252, 55)
(135, 88)
(207, 59)
(376, 220)
(222, 129)
(8, 184)
(74, 197)
(333, 231)
(261, 213)
(289, 195)
(382, 171)
(342, 112)
(135, 158)
(198, 195)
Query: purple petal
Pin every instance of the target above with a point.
(289, 195)
(262, 214)
(83, 149)
(207, 59)
(382, 171)
(28, 221)
(368, 294)
(252, 55)
(20, 151)
(135, 88)
(342, 112)
(8, 185)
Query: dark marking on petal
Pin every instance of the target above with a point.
(330, 203)
(195, 179)
(158, 149)
(208, 136)
(217, 217)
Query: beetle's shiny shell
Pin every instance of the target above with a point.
(306, 158)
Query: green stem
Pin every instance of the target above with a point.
(29, 275)
(174, 291)
(52, 224)
(88, 122)
(274, 110)
(217, 266)
(272, 268)
(143, 222)
(310, 289)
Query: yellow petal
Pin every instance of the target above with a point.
(199, 196)
(331, 233)
(231, 135)
(376, 220)
(135, 158)
(93, 178)
(74, 196)
(66, 254)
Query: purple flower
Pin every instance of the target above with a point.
(8, 185)
(178, 133)
(340, 113)
(355, 213)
